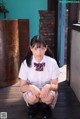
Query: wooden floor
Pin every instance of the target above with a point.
(67, 106)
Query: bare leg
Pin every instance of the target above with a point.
(32, 99)
(49, 98)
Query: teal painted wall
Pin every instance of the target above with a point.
(26, 9)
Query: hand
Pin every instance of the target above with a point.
(44, 91)
(35, 90)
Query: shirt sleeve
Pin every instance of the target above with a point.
(55, 70)
(23, 71)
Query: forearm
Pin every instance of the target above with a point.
(25, 88)
(53, 87)
(29, 87)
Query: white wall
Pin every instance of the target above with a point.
(75, 63)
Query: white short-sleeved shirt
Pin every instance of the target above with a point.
(39, 78)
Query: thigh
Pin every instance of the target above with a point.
(26, 96)
(54, 101)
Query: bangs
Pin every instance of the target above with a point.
(38, 42)
(38, 45)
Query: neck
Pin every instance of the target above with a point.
(38, 59)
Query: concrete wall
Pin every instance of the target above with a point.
(75, 62)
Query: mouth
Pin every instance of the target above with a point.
(39, 55)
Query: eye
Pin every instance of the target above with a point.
(35, 48)
(43, 48)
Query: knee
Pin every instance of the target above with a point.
(47, 100)
(33, 100)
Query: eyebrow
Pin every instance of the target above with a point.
(39, 47)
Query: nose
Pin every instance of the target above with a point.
(38, 51)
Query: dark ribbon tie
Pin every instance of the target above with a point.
(39, 66)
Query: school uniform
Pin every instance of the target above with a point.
(39, 74)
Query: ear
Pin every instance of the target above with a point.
(46, 48)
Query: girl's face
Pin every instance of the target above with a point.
(38, 52)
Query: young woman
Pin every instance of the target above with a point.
(39, 78)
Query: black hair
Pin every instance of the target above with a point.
(39, 41)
